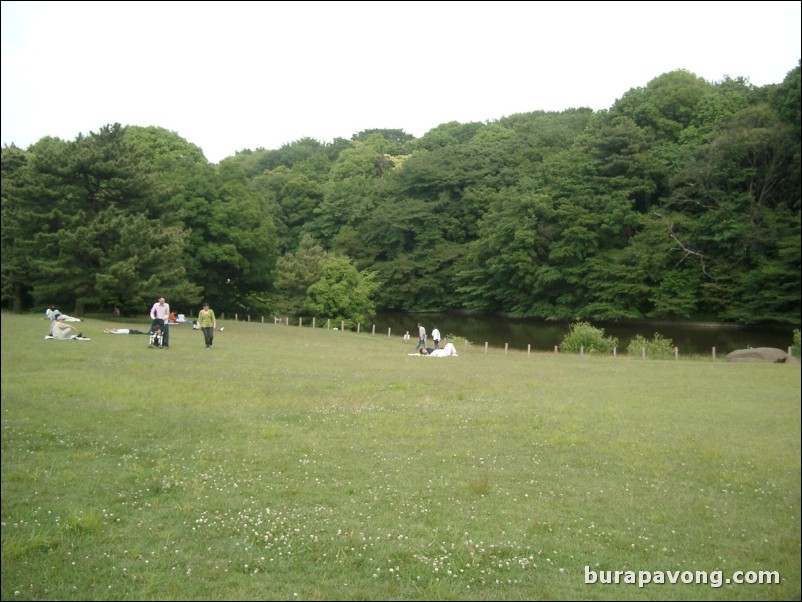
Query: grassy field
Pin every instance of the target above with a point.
(291, 463)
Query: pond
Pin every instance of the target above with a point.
(496, 330)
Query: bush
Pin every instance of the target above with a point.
(582, 335)
(657, 348)
(460, 342)
(796, 344)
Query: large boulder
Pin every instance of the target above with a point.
(761, 354)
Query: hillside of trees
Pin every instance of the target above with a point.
(681, 202)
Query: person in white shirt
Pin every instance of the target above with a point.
(160, 314)
(52, 313)
(436, 337)
(449, 349)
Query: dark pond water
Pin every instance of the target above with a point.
(543, 336)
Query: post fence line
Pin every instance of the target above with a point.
(358, 329)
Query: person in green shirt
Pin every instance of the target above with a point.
(207, 323)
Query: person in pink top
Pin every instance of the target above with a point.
(160, 314)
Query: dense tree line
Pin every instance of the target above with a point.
(682, 201)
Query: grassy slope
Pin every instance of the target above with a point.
(296, 463)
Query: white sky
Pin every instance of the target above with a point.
(228, 76)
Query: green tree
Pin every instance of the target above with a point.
(342, 293)
(19, 226)
(74, 199)
(399, 138)
(355, 187)
(295, 272)
(733, 214)
(233, 241)
(666, 105)
(507, 268)
(126, 247)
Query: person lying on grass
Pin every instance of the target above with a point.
(446, 351)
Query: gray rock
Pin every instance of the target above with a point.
(761, 354)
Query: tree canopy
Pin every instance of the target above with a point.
(681, 201)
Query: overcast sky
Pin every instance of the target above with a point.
(228, 76)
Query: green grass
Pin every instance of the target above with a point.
(292, 463)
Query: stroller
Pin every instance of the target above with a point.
(156, 337)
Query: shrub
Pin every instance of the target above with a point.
(657, 348)
(583, 335)
(796, 343)
(460, 342)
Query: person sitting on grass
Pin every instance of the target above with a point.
(62, 331)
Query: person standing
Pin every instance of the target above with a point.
(160, 314)
(436, 338)
(421, 337)
(207, 323)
